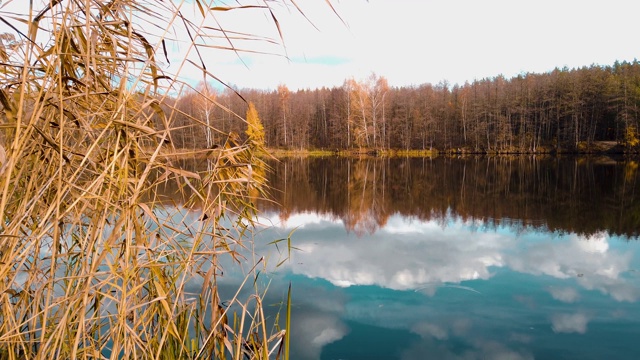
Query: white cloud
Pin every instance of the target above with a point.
(410, 42)
(497, 351)
(564, 294)
(425, 329)
(588, 260)
(428, 256)
(296, 221)
(313, 330)
(418, 255)
(596, 243)
(569, 323)
(413, 42)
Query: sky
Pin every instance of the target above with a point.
(410, 42)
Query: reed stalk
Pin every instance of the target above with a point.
(94, 262)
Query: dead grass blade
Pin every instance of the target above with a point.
(95, 262)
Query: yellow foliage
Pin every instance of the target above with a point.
(630, 170)
(631, 137)
(255, 130)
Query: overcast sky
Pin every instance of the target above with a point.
(411, 41)
(419, 41)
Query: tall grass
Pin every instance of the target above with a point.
(93, 264)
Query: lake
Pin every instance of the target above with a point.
(445, 258)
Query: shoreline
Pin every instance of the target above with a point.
(606, 149)
(610, 150)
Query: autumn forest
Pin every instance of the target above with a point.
(565, 110)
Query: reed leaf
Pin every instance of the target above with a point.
(94, 261)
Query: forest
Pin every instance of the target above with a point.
(564, 110)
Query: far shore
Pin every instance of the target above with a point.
(601, 148)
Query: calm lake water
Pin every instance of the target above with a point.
(477, 258)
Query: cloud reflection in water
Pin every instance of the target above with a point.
(464, 273)
(409, 254)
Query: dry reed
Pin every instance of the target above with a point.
(93, 263)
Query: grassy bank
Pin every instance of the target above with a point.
(283, 153)
(595, 148)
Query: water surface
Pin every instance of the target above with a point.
(478, 258)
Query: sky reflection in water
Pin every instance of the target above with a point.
(454, 289)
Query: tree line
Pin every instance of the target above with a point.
(561, 110)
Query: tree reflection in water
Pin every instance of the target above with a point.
(564, 194)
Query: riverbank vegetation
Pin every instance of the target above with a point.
(590, 109)
(94, 262)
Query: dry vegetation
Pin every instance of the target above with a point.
(92, 263)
